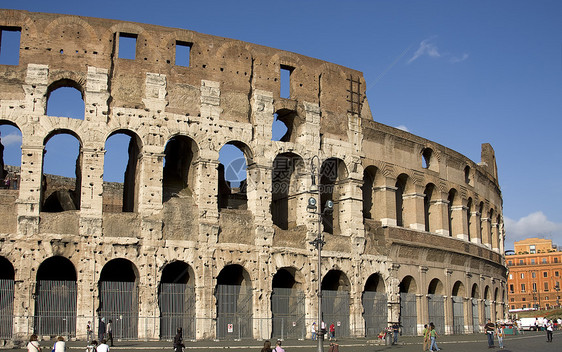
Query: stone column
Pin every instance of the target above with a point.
(385, 197)
(486, 235)
(259, 200)
(475, 228)
(495, 236)
(414, 216)
(448, 301)
(91, 191)
(96, 95)
(440, 207)
(393, 293)
(29, 201)
(459, 222)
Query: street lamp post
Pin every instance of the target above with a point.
(318, 242)
(557, 289)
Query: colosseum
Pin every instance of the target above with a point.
(405, 230)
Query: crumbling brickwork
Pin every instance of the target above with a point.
(410, 216)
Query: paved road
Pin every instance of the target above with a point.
(528, 342)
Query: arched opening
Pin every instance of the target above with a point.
(408, 306)
(426, 158)
(10, 173)
(375, 305)
(234, 303)
(287, 126)
(233, 176)
(452, 199)
(458, 307)
(65, 98)
(285, 190)
(119, 298)
(469, 219)
(436, 305)
(7, 276)
(62, 172)
(336, 301)
(487, 304)
(368, 192)
(474, 297)
(287, 305)
(332, 172)
(467, 178)
(55, 298)
(481, 223)
(176, 300)
(430, 210)
(401, 183)
(120, 172)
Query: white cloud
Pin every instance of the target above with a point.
(403, 128)
(426, 48)
(456, 59)
(533, 225)
(12, 138)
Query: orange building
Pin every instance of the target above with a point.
(535, 271)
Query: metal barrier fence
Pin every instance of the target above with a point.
(119, 303)
(6, 308)
(458, 315)
(177, 309)
(375, 305)
(55, 307)
(436, 310)
(287, 307)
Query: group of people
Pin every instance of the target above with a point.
(492, 330)
(332, 331)
(105, 331)
(430, 337)
(267, 347)
(34, 346)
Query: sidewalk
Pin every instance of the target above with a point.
(454, 343)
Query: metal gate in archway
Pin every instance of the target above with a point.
(287, 308)
(458, 315)
(6, 308)
(487, 310)
(436, 310)
(177, 309)
(375, 308)
(475, 316)
(55, 308)
(234, 312)
(408, 314)
(119, 302)
(335, 309)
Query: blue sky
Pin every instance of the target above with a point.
(459, 73)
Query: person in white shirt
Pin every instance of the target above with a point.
(278, 347)
(60, 345)
(103, 347)
(549, 329)
(33, 345)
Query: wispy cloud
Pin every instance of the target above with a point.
(12, 138)
(403, 128)
(429, 48)
(533, 225)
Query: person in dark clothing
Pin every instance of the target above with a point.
(178, 341)
(101, 329)
(395, 331)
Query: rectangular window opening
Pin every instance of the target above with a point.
(183, 52)
(10, 45)
(285, 84)
(127, 46)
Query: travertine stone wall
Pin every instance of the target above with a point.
(229, 93)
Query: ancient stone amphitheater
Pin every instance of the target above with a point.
(416, 232)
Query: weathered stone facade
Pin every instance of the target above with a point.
(410, 215)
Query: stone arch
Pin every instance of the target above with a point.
(436, 287)
(233, 177)
(176, 300)
(70, 81)
(458, 293)
(285, 188)
(288, 303)
(403, 186)
(454, 205)
(234, 302)
(131, 177)
(181, 35)
(430, 208)
(436, 304)
(179, 175)
(408, 285)
(429, 159)
(336, 300)
(408, 305)
(57, 194)
(469, 219)
(58, 23)
(55, 297)
(370, 177)
(119, 296)
(375, 305)
(132, 28)
(475, 298)
(332, 174)
(458, 289)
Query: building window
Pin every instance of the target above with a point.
(509, 262)
(511, 288)
(511, 276)
(512, 299)
(556, 273)
(521, 262)
(524, 306)
(523, 299)
(532, 249)
(285, 73)
(183, 53)
(545, 274)
(533, 275)
(512, 306)
(127, 46)
(532, 261)
(522, 275)
(555, 260)
(10, 45)
(544, 260)
(546, 286)
(546, 298)
(522, 287)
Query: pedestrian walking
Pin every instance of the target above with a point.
(101, 329)
(334, 347)
(33, 344)
(332, 332)
(89, 331)
(178, 341)
(109, 332)
(92, 346)
(499, 335)
(313, 331)
(549, 330)
(489, 329)
(395, 331)
(425, 337)
(433, 337)
(278, 347)
(266, 346)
